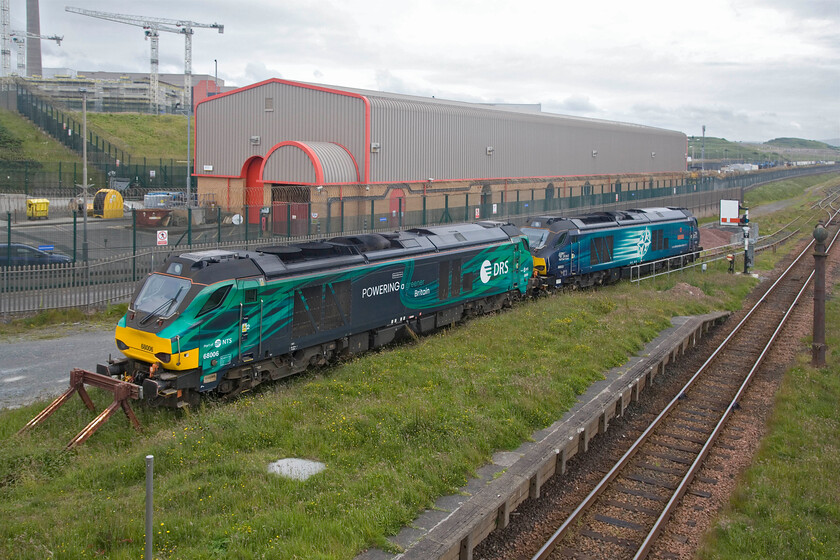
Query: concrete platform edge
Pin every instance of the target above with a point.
(487, 501)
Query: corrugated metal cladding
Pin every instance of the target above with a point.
(422, 139)
(297, 163)
(232, 128)
(419, 138)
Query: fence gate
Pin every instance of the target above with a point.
(289, 210)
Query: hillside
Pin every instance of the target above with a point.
(20, 140)
(149, 136)
(780, 149)
(798, 143)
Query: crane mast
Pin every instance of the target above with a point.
(5, 37)
(152, 27)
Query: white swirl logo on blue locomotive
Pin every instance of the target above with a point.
(643, 243)
(489, 270)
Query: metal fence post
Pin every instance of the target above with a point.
(8, 240)
(218, 224)
(150, 471)
(247, 219)
(189, 224)
(75, 233)
(133, 244)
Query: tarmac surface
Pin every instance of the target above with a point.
(40, 368)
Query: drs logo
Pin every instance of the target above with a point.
(489, 270)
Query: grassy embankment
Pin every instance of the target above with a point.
(21, 140)
(396, 429)
(788, 504)
(150, 136)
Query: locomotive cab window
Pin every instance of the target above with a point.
(561, 240)
(214, 301)
(536, 237)
(250, 295)
(161, 295)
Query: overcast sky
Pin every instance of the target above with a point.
(747, 69)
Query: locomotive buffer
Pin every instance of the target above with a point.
(122, 391)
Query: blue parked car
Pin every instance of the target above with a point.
(18, 254)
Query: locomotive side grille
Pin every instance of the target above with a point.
(321, 308)
(307, 312)
(336, 305)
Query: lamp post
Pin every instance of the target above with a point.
(703, 151)
(85, 196)
(189, 152)
(818, 345)
(84, 176)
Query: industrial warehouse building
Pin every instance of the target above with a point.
(306, 152)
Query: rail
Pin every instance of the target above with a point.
(624, 461)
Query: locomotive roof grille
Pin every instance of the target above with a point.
(276, 260)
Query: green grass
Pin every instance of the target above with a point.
(53, 323)
(25, 141)
(396, 429)
(790, 149)
(788, 504)
(799, 143)
(149, 136)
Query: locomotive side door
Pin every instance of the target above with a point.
(250, 320)
(574, 256)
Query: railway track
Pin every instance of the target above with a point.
(625, 513)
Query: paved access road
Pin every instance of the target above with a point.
(40, 369)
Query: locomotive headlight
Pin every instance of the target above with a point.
(122, 345)
(163, 357)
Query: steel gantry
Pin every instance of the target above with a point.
(152, 27)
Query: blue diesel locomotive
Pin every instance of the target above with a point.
(600, 248)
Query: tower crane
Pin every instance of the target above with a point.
(20, 38)
(5, 38)
(152, 27)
